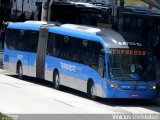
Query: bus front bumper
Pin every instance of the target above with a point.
(130, 94)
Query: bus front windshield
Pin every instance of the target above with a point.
(131, 65)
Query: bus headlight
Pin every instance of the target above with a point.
(113, 85)
(154, 87)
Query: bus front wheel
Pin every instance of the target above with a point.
(91, 91)
(20, 71)
(56, 81)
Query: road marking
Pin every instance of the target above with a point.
(64, 103)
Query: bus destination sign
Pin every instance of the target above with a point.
(129, 52)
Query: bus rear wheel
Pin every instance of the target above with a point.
(56, 81)
(20, 71)
(91, 91)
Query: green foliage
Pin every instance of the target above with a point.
(135, 2)
(4, 117)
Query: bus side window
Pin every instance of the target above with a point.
(16, 40)
(94, 48)
(75, 50)
(20, 40)
(101, 66)
(10, 40)
(50, 45)
(60, 47)
(33, 40)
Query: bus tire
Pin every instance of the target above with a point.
(20, 71)
(91, 91)
(56, 80)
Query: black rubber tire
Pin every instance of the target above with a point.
(56, 81)
(20, 72)
(91, 91)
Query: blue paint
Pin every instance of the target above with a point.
(23, 26)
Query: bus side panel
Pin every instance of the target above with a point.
(74, 75)
(11, 58)
(68, 75)
(98, 81)
(49, 75)
(32, 64)
(6, 58)
(49, 68)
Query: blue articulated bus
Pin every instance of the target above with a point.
(99, 62)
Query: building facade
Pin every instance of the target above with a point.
(5, 9)
(20, 10)
(31, 9)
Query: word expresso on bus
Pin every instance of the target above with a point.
(87, 59)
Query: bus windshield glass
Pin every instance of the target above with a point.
(131, 65)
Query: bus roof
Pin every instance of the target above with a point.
(80, 28)
(36, 22)
(84, 4)
(25, 25)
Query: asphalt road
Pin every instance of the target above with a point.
(35, 96)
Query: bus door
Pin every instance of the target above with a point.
(41, 53)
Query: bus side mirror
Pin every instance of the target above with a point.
(101, 66)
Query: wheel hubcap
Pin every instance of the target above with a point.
(20, 71)
(93, 91)
(57, 80)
